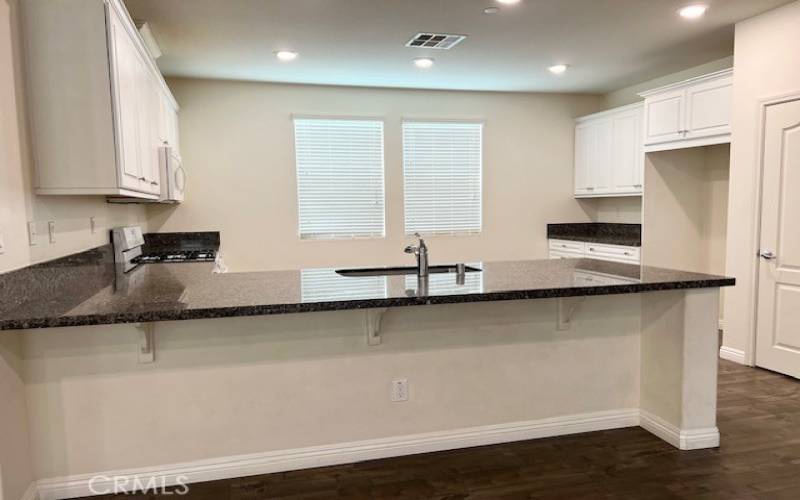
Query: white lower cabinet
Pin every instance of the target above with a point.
(609, 159)
(100, 129)
(565, 249)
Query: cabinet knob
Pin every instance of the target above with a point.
(142, 178)
(637, 185)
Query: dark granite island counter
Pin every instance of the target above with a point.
(167, 292)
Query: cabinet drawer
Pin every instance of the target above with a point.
(613, 252)
(558, 254)
(568, 246)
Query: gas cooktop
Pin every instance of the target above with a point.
(207, 255)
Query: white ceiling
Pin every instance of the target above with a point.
(608, 44)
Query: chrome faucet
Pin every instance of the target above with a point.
(421, 253)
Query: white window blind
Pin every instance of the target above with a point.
(442, 164)
(340, 189)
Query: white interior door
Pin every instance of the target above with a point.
(778, 327)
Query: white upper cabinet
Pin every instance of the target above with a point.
(691, 113)
(99, 128)
(608, 153)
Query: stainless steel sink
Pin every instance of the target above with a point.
(390, 271)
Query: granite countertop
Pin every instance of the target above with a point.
(165, 292)
(629, 235)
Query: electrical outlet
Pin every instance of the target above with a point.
(2, 243)
(92, 225)
(51, 230)
(32, 233)
(400, 390)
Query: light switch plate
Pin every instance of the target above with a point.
(92, 225)
(32, 233)
(51, 230)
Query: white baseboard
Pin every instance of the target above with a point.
(694, 439)
(732, 354)
(30, 494)
(320, 456)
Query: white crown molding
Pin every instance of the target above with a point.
(320, 456)
(610, 112)
(694, 439)
(689, 81)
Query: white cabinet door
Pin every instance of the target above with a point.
(665, 119)
(148, 127)
(627, 156)
(173, 138)
(125, 67)
(584, 142)
(708, 108)
(593, 158)
(168, 122)
(608, 153)
(601, 160)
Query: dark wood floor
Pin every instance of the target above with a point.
(759, 418)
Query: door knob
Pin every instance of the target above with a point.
(767, 255)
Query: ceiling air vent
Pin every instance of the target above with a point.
(442, 41)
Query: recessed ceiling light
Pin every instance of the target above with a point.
(423, 62)
(558, 69)
(491, 10)
(286, 55)
(508, 2)
(693, 11)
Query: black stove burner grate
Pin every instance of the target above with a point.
(178, 256)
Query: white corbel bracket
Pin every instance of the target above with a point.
(565, 311)
(147, 342)
(372, 325)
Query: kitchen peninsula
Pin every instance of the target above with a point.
(607, 344)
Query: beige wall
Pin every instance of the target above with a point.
(623, 210)
(238, 147)
(766, 66)
(16, 462)
(18, 204)
(247, 385)
(685, 209)
(16, 471)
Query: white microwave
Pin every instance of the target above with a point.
(173, 176)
